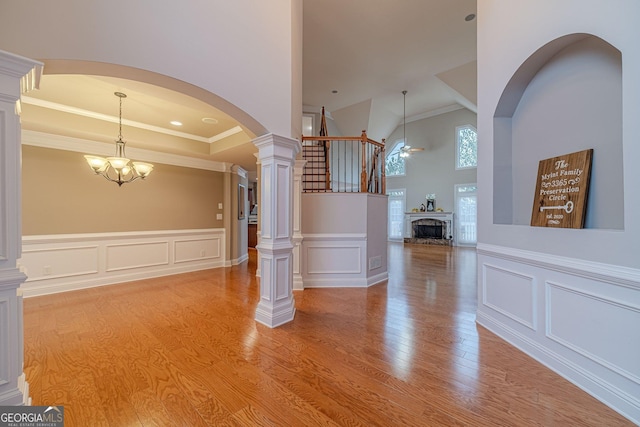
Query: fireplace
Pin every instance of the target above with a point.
(434, 228)
(428, 228)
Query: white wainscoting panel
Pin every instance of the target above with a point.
(188, 250)
(597, 328)
(42, 262)
(58, 263)
(336, 260)
(511, 293)
(126, 256)
(587, 315)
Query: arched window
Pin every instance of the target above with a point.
(394, 163)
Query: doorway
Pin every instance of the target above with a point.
(466, 209)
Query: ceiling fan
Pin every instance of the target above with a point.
(406, 150)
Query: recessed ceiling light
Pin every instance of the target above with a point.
(470, 17)
(209, 120)
(175, 123)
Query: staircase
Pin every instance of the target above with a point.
(314, 178)
(343, 164)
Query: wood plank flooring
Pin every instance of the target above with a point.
(184, 350)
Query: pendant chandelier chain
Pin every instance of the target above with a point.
(404, 117)
(120, 95)
(120, 123)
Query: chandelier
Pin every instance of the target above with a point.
(119, 169)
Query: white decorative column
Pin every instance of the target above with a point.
(298, 169)
(17, 74)
(259, 198)
(276, 155)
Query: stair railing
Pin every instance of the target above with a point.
(344, 164)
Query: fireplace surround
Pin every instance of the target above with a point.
(429, 228)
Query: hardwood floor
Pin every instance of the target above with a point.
(185, 351)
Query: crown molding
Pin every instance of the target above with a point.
(57, 142)
(114, 119)
(223, 135)
(436, 112)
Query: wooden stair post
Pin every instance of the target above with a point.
(363, 173)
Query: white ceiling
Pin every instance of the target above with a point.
(369, 51)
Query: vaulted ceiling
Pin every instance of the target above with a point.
(358, 57)
(370, 51)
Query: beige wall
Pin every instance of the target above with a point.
(60, 195)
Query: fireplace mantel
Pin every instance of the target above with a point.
(447, 217)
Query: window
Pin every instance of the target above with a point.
(308, 128)
(394, 163)
(466, 147)
(466, 214)
(396, 213)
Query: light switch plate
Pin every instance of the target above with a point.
(219, 207)
(218, 216)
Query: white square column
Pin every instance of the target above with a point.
(298, 170)
(276, 155)
(17, 74)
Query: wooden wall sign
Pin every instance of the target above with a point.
(561, 191)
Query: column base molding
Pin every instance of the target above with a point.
(274, 315)
(18, 396)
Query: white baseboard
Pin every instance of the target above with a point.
(335, 283)
(378, 278)
(60, 263)
(240, 260)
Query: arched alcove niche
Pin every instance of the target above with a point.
(565, 97)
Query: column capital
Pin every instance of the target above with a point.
(26, 70)
(276, 146)
(238, 170)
